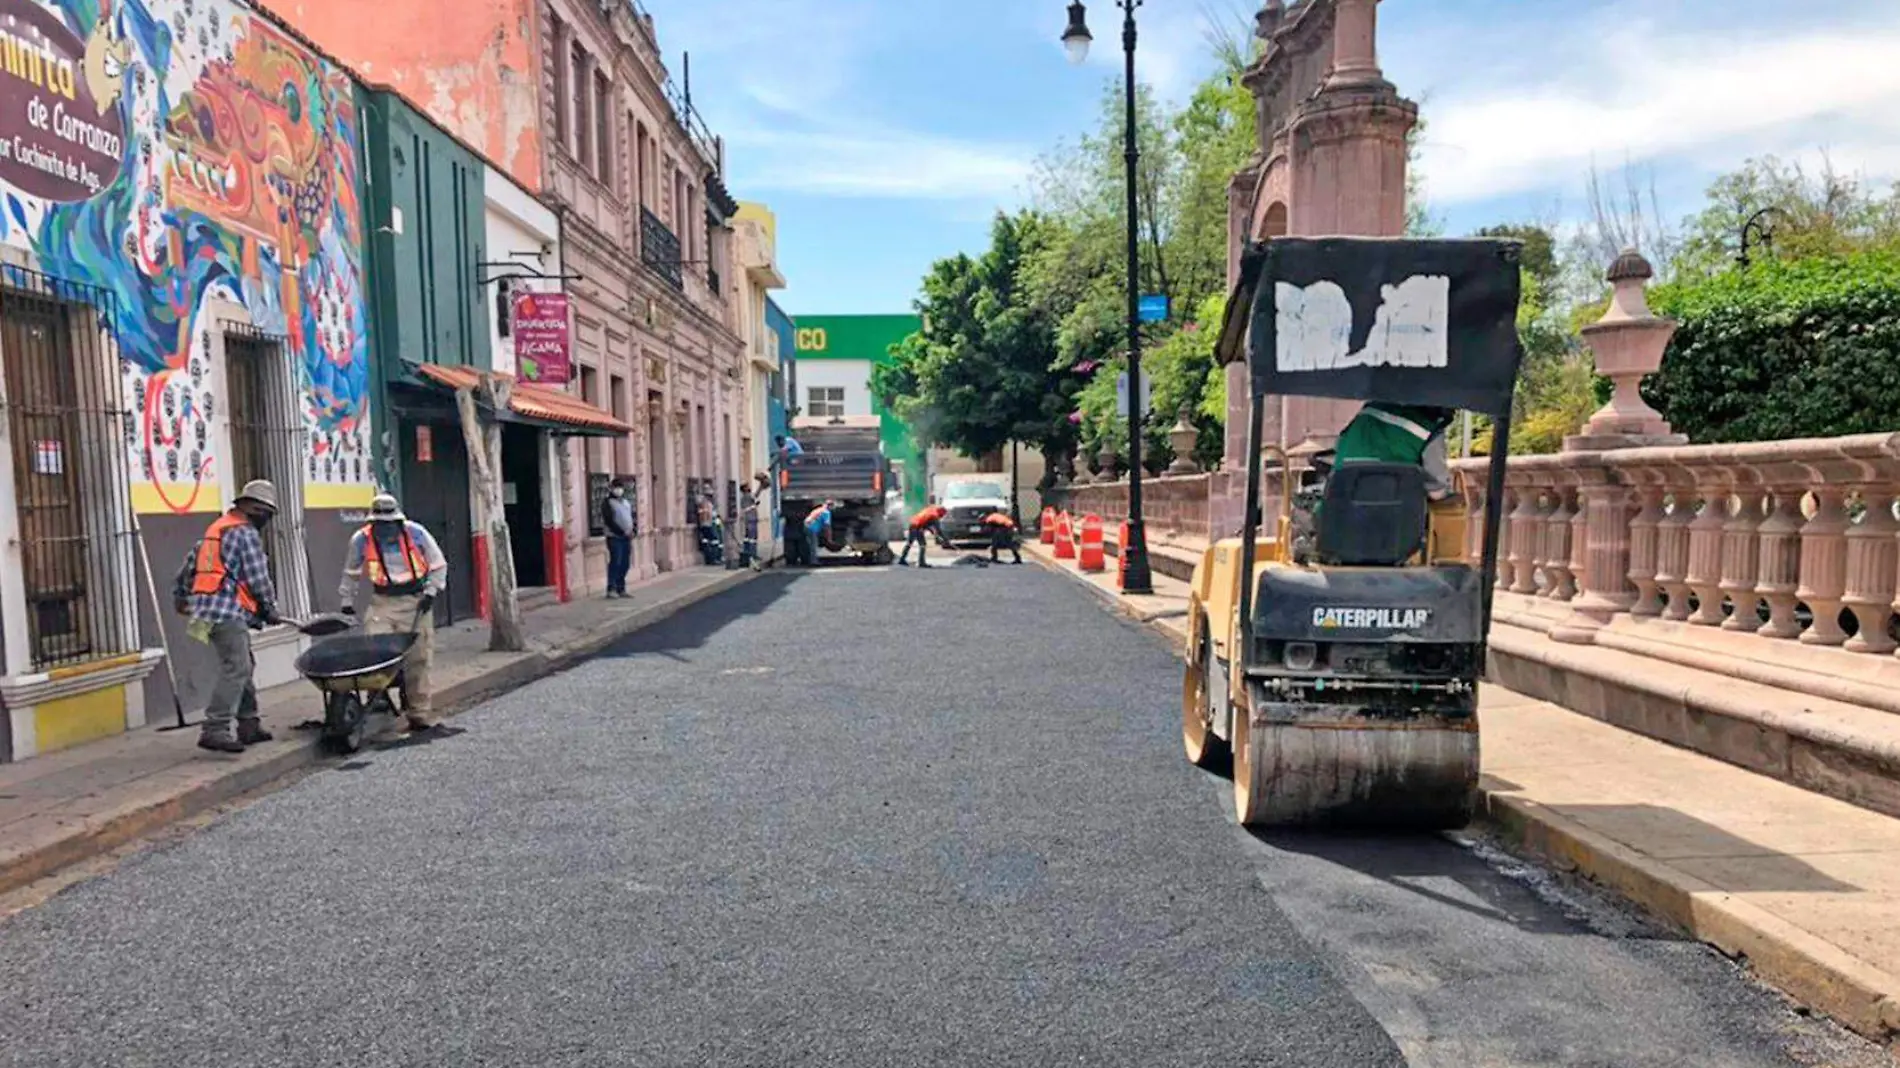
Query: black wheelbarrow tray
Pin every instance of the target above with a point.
(355, 673)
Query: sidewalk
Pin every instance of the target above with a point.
(66, 807)
(1804, 887)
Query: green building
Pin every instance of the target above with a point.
(835, 356)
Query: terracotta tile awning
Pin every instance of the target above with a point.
(561, 412)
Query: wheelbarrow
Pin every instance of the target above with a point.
(358, 675)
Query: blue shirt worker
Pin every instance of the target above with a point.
(406, 572)
(225, 591)
(817, 531)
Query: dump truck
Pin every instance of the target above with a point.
(1333, 659)
(843, 461)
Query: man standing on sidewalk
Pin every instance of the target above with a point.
(922, 525)
(225, 589)
(406, 571)
(616, 515)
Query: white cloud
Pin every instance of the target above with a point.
(1649, 93)
(1172, 52)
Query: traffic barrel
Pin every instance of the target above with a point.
(1048, 524)
(1065, 538)
(1092, 558)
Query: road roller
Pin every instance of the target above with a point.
(1333, 658)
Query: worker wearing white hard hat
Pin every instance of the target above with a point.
(224, 588)
(406, 572)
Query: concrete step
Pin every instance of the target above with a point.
(1837, 748)
(534, 598)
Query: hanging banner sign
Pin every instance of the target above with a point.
(62, 135)
(540, 326)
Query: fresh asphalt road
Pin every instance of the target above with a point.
(856, 816)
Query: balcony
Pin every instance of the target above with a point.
(660, 249)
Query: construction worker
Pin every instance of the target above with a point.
(817, 531)
(1400, 433)
(224, 588)
(406, 571)
(1002, 536)
(923, 524)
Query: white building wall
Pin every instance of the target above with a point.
(519, 230)
(853, 375)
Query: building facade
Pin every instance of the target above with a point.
(573, 100)
(755, 252)
(181, 310)
(835, 356)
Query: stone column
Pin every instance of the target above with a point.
(1355, 45)
(1627, 344)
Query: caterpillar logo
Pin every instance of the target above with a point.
(1371, 618)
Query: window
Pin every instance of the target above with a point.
(603, 129)
(65, 425)
(824, 401)
(642, 162)
(557, 32)
(583, 112)
(267, 441)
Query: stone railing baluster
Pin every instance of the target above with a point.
(1562, 581)
(1824, 565)
(1645, 535)
(1779, 565)
(1873, 564)
(1741, 557)
(1672, 546)
(1706, 530)
(1526, 525)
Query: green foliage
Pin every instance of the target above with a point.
(1787, 348)
(1825, 214)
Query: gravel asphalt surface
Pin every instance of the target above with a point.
(871, 817)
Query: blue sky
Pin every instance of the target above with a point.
(885, 133)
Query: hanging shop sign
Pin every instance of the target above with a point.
(62, 136)
(541, 330)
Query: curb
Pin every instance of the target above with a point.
(104, 833)
(1809, 969)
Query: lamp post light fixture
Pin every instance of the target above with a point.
(1136, 577)
(1764, 234)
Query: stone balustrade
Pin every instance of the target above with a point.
(1174, 504)
(1789, 540)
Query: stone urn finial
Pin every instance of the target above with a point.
(1109, 461)
(1267, 22)
(1184, 436)
(1628, 344)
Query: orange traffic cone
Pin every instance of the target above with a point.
(1065, 538)
(1048, 524)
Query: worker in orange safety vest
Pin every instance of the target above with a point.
(921, 525)
(1002, 536)
(406, 572)
(224, 590)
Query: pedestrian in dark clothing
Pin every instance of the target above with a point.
(1002, 536)
(616, 515)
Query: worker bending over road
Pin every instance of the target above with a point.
(924, 523)
(1002, 536)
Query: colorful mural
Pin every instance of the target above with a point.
(175, 151)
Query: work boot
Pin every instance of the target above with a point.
(251, 732)
(219, 740)
(420, 722)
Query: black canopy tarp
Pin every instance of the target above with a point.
(1425, 322)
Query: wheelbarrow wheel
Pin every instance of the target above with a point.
(345, 723)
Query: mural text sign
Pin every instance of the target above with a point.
(61, 136)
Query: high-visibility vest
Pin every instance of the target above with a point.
(209, 574)
(413, 560)
(998, 519)
(928, 516)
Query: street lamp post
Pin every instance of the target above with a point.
(1136, 577)
(1758, 224)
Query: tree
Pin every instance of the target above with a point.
(1823, 214)
(483, 439)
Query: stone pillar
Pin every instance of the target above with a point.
(1627, 344)
(1355, 45)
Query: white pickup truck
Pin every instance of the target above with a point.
(966, 500)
